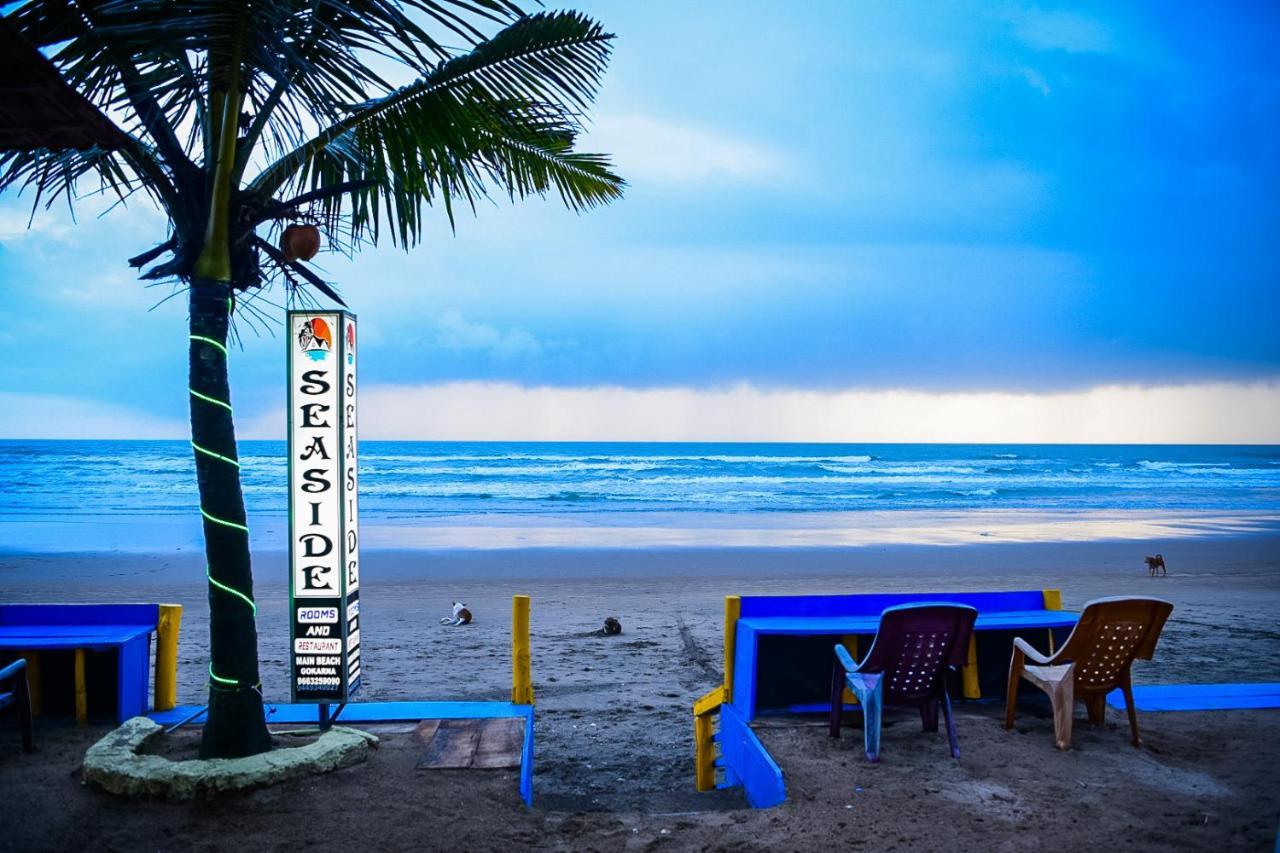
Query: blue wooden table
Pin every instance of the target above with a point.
(749, 620)
(122, 628)
(852, 616)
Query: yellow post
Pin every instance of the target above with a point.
(969, 675)
(167, 656)
(32, 658)
(1052, 601)
(704, 755)
(82, 691)
(732, 609)
(850, 643)
(521, 664)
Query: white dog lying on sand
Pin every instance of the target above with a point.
(461, 615)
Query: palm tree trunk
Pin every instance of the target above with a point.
(235, 725)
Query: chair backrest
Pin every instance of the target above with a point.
(915, 644)
(1111, 633)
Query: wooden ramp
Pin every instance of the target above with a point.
(491, 748)
(461, 744)
(1199, 697)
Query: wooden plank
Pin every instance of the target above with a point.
(35, 681)
(1199, 697)
(425, 731)
(374, 712)
(867, 625)
(748, 763)
(873, 604)
(709, 702)
(526, 761)
(732, 610)
(82, 691)
(969, 672)
(80, 615)
(500, 744)
(454, 746)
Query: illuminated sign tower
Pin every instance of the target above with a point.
(324, 540)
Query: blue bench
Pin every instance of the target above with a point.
(125, 629)
(1199, 697)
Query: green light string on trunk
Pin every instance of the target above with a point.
(217, 681)
(218, 456)
(233, 591)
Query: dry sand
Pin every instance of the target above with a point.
(614, 748)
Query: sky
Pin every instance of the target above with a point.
(856, 221)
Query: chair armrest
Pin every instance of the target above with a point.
(13, 669)
(1021, 645)
(846, 661)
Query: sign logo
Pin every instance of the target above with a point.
(316, 340)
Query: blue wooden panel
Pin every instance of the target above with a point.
(370, 712)
(69, 636)
(131, 678)
(79, 614)
(1025, 619)
(1199, 697)
(875, 603)
(839, 625)
(750, 763)
(744, 669)
(526, 759)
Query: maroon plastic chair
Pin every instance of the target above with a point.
(916, 645)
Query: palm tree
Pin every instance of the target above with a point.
(241, 115)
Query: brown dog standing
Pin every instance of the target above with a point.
(1155, 563)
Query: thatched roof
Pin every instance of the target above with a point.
(38, 109)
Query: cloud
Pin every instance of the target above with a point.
(1060, 30)
(475, 411)
(18, 223)
(647, 149)
(455, 332)
(57, 416)
(96, 214)
(1035, 80)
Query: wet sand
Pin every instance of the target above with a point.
(614, 749)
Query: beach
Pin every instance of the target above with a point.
(470, 425)
(614, 730)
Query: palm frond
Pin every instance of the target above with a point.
(486, 115)
(54, 174)
(504, 116)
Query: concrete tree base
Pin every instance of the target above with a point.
(114, 765)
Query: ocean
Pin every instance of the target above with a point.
(404, 481)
